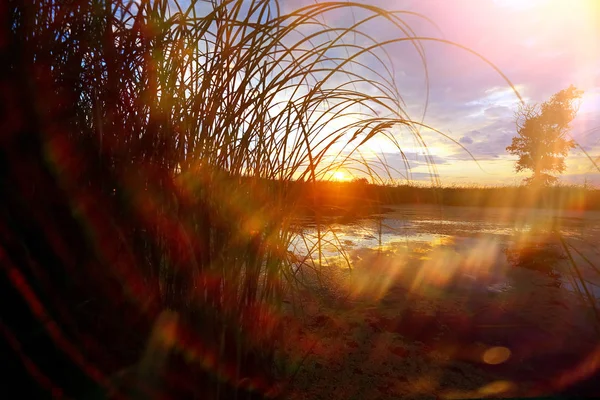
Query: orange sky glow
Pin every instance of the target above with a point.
(542, 46)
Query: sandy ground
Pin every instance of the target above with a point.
(468, 317)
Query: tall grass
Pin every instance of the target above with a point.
(142, 142)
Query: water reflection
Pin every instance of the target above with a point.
(463, 247)
(493, 288)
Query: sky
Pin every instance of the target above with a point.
(542, 46)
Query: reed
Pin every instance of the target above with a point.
(143, 145)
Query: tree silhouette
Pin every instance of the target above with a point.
(541, 142)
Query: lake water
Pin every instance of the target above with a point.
(476, 247)
(455, 282)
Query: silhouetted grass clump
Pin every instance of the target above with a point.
(140, 229)
(149, 165)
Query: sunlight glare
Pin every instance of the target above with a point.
(339, 176)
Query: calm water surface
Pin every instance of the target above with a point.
(472, 243)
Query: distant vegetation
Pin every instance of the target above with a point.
(542, 140)
(348, 198)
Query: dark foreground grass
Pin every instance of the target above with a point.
(143, 244)
(135, 261)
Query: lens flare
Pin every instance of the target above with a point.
(496, 355)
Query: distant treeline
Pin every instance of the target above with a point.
(360, 196)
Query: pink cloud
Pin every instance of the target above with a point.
(543, 46)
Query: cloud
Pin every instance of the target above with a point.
(496, 112)
(423, 176)
(468, 99)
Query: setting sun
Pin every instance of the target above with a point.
(340, 176)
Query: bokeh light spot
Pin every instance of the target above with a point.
(496, 387)
(496, 355)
